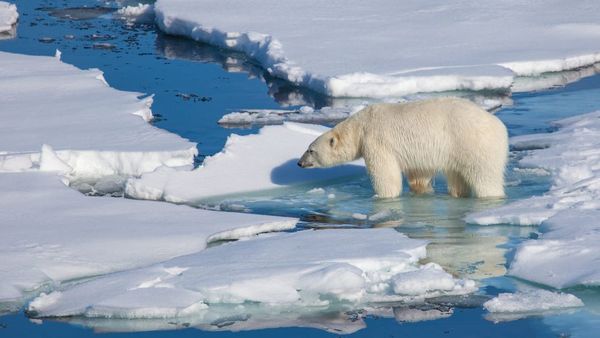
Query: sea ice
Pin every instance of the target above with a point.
(52, 234)
(312, 268)
(388, 48)
(262, 161)
(278, 116)
(56, 117)
(8, 17)
(140, 13)
(512, 306)
(567, 252)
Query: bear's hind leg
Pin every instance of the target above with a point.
(420, 181)
(385, 175)
(457, 186)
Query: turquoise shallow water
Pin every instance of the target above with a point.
(195, 84)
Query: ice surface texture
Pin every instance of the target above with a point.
(90, 128)
(388, 48)
(308, 268)
(567, 253)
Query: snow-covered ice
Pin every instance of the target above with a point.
(52, 234)
(57, 117)
(313, 268)
(266, 160)
(567, 252)
(389, 48)
(512, 306)
(8, 17)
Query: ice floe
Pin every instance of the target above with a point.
(59, 118)
(52, 234)
(512, 306)
(8, 18)
(567, 252)
(308, 268)
(388, 48)
(278, 116)
(262, 161)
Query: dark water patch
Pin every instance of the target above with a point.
(78, 13)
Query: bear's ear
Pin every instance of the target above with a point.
(333, 141)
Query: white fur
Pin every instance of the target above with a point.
(451, 136)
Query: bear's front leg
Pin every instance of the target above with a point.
(420, 181)
(385, 175)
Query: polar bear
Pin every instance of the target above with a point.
(447, 135)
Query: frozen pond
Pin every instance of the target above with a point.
(194, 85)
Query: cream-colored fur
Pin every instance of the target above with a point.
(451, 136)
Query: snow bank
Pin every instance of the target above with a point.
(8, 17)
(89, 129)
(266, 160)
(308, 268)
(390, 48)
(567, 253)
(52, 234)
(513, 306)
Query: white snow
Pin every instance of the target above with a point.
(389, 48)
(56, 117)
(140, 13)
(567, 253)
(52, 234)
(512, 306)
(262, 161)
(8, 16)
(308, 268)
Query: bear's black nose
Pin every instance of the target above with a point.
(300, 163)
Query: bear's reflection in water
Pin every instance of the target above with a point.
(467, 251)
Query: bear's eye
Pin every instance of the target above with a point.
(310, 151)
(331, 141)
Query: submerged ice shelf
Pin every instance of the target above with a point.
(567, 252)
(389, 48)
(303, 269)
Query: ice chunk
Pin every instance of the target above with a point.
(8, 17)
(308, 268)
(512, 306)
(247, 163)
(142, 13)
(52, 234)
(566, 255)
(278, 116)
(388, 48)
(90, 129)
(430, 280)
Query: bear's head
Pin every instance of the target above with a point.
(327, 150)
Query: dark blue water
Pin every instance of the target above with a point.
(195, 84)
